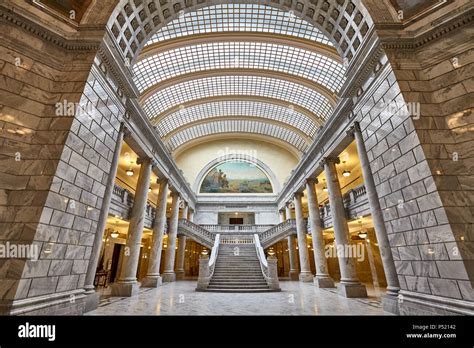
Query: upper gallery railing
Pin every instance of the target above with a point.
(251, 229)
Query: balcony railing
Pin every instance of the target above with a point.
(122, 202)
(241, 229)
(356, 204)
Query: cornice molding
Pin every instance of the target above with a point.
(7, 15)
(440, 29)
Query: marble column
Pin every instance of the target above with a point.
(305, 270)
(281, 213)
(349, 285)
(288, 211)
(169, 274)
(127, 284)
(191, 215)
(293, 274)
(322, 278)
(393, 285)
(92, 301)
(153, 278)
(180, 257)
(184, 211)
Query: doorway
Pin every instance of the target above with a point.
(236, 221)
(236, 218)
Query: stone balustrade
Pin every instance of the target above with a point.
(122, 202)
(355, 202)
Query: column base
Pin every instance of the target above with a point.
(323, 282)
(169, 277)
(306, 277)
(151, 282)
(351, 290)
(390, 304)
(91, 301)
(179, 275)
(125, 289)
(293, 275)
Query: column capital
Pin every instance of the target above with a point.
(327, 160)
(175, 194)
(312, 181)
(298, 195)
(141, 160)
(355, 128)
(125, 130)
(161, 180)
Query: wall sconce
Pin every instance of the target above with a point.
(129, 172)
(325, 189)
(362, 234)
(346, 173)
(114, 234)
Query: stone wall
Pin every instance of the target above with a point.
(55, 160)
(412, 124)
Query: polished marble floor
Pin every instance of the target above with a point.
(180, 298)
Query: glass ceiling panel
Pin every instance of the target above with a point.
(239, 108)
(239, 17)
(236, 126)
(247, 55)
(237, 85)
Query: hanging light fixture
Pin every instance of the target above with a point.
(130, 172)
(115, 233)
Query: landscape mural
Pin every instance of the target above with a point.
(236, 177)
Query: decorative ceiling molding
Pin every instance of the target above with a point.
(285, 40)
(298, 131)
(224, 136)
(279, 102)
(330, 96)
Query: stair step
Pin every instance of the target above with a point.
(238, 290)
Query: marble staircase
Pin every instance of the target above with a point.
(237, 269)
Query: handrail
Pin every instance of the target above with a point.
(201, 234)
(268, 266)
(207, 265)
(261, 255)
(280, 230)
(214, 252)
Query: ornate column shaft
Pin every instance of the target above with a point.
(180, 257)
(287, 212)
(305, 271)
(184, 212)
(349, 285)
(153, 278)
(393, 285)
(322, 278)
(281, 214)
(293, 274)
(127, 282)
(168, 274)
(93, 300)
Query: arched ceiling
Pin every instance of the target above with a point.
(217, 70)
